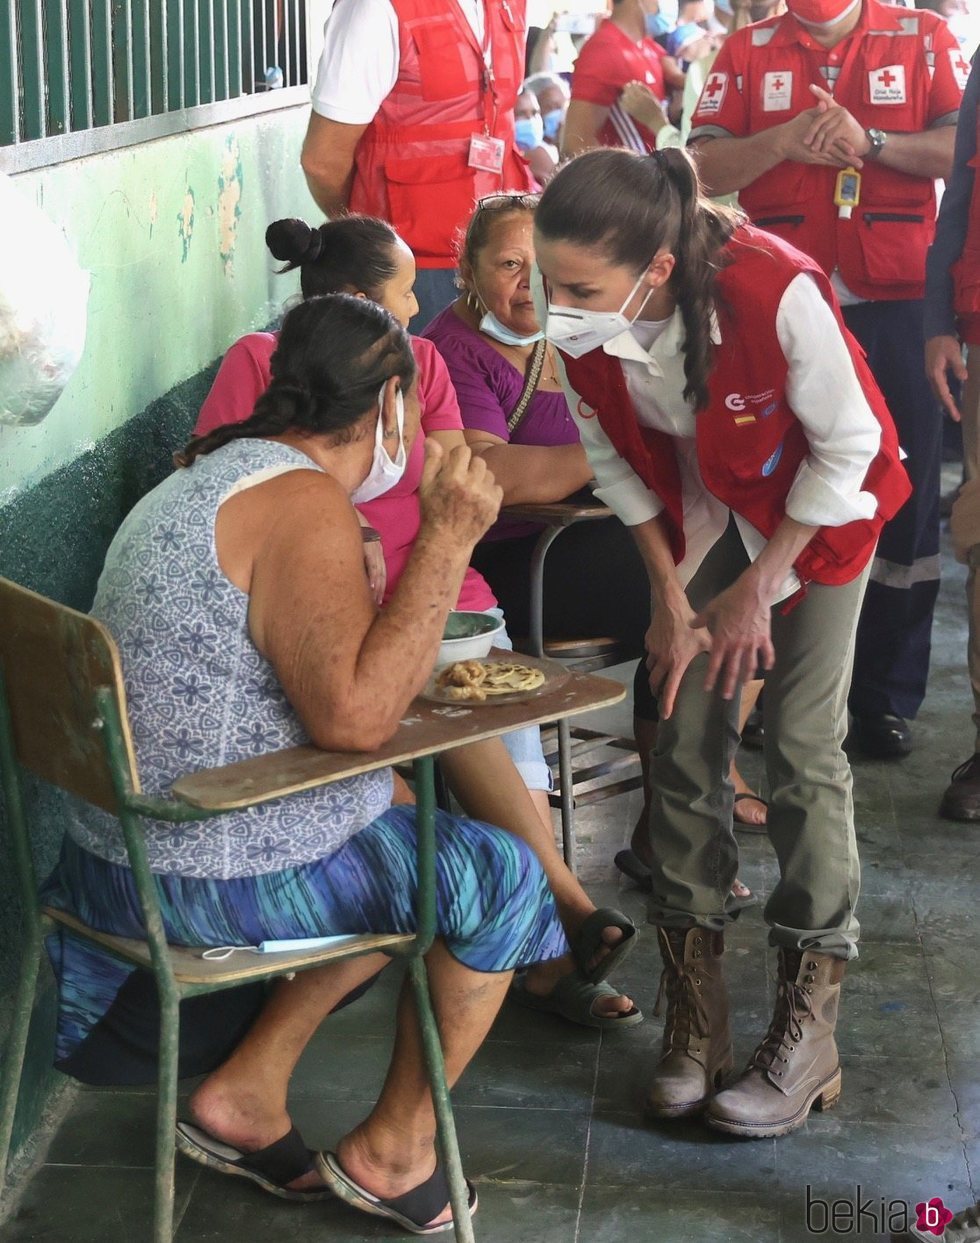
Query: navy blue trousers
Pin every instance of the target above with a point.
(891, 661)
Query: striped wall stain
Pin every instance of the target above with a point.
(185, 224)
(229, 202)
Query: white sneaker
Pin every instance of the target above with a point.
(963, 1228)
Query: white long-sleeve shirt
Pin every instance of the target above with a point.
(825, 395)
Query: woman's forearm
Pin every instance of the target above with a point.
(665, 586)
(777, 558)
(536, 474)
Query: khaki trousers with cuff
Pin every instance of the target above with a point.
(811, 810)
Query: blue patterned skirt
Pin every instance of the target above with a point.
(494, 910)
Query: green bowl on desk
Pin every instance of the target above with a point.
(467, 636)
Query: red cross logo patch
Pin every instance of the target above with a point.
(713, 95)
(961, 67)
(887, 85)
(777, 91)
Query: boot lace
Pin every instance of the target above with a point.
(793, 1007)
(687, 1017)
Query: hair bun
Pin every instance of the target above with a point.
(293, 241)
(298, 396)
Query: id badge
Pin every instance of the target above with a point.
(486, 153)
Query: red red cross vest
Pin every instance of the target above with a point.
(966, 269)
(885, 84)
(749, 442)
(410, 166)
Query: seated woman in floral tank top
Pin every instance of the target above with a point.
(236, 593)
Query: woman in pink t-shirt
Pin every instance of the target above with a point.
(365, 257)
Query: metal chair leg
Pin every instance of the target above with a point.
(13, 1062)
(566, 779)
(445, 1125)
(163, 1196)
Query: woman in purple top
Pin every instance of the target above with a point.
(487, 338)
(593, 582)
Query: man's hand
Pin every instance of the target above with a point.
(671, 645)
(457, 495)
(642, 105)
(794, 137)
(739, 624)
(836, 131)
(945, 354)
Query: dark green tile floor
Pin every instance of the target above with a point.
(548, 1115)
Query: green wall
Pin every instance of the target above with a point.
(172, 233)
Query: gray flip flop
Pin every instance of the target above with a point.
(588, 941)
(572, 998)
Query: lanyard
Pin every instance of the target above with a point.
(488, 82)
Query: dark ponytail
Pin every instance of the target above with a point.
(630, 207)
(333, 356)
(347, 255)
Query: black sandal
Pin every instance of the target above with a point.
(272, 1168)
(413, 1211)
(742, 826)
(630, 866)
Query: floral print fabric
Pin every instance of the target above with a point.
(199, 692)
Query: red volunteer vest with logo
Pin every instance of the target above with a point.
(749, 442)
(885, 84)
(966, 269)
(410, 166)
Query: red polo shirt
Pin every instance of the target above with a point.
(607, 61)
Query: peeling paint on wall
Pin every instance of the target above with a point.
(229, 202)
(143, 294)
(185, 224)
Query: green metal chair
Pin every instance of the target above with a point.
(63, 717)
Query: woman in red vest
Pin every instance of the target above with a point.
(733, 425)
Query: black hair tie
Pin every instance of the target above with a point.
(315, 246)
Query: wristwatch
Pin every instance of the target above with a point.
(877, 139)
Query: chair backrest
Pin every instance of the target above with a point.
(54, 661)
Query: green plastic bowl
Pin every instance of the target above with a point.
(467, 636)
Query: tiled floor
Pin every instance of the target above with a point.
(548, 1115)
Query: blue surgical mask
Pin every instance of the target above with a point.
(664, 20)
(529, 131)
(657, 24)
(551, 123)
(492, 326)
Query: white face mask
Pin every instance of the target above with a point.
(385, 472)
(576, 331)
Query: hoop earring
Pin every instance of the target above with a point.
(473, 302)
